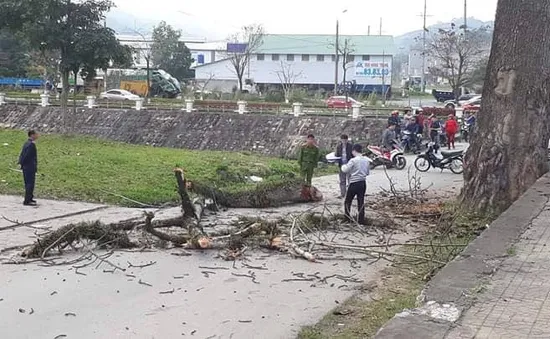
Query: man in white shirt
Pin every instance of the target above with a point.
(358, 168)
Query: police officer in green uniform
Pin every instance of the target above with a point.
(308, 159)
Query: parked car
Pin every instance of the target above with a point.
(118, 94)
(442, 96)
(463, 100)
(340, 102)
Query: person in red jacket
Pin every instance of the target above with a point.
(451, 128)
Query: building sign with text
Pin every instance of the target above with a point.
(372, 69)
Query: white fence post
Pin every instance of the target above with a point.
(355, 111)
(189, 105)
(241, 107)
(2, 98)
(91, 101)
(139, 104)
(297, 109)
(44, 100)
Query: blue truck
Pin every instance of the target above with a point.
(22, 83)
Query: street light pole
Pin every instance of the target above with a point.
(465, 16)
(336, 57)
(423, 78)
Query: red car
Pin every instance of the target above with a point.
(340, 102)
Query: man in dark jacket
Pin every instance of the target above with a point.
(395, 120)
(28, 160)
(343, 151)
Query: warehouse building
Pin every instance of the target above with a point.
(309, 60)
(203, 52)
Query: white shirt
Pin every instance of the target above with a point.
(358, 168)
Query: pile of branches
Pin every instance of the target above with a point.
(184, 231)
(311, 236)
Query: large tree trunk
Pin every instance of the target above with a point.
(509, 149)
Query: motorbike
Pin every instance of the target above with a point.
(452, 160)
(395, 158)
(410, 142)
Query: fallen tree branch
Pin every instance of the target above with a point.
(73, 233)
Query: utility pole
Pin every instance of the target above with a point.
(384, 92)
(465, 16)
(368, 30)
(423, 78)
(380, 26)
(336, 54)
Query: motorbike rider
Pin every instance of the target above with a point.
(414, 128)
(420, 120)
(388, 137)
(435, 128)
(394, 119)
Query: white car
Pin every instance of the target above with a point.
(461, 102)
(118, 94)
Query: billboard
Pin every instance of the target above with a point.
(372, 69)
(236, 47)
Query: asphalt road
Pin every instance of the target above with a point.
(197, 296)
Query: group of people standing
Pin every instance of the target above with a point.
(433, 125)
(354, 169)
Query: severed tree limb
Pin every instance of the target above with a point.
(175, 239)
(192, 209)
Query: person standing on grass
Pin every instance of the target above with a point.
(358, 169)
(28, 160)
(343, 151)
(308, 159)
(451, 128)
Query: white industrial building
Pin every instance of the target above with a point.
(310, 59)
(202, 52)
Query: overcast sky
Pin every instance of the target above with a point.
(221, 17)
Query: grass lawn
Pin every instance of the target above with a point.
(83, 168)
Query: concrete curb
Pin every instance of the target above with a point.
(451, 287)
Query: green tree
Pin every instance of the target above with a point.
(169, 53)
(14, 55)
(74, 29)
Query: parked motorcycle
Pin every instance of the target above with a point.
(395, 158)
(410, 142)
(443, 160)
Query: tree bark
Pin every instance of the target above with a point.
(265, 195)
(509, 149)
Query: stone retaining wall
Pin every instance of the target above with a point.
(274, 135)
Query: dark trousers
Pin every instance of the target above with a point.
(29, 176)
(356, 189)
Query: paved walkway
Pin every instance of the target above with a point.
(516, 303)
